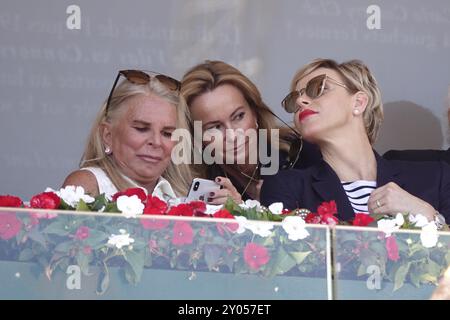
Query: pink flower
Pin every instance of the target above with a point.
(82, 233)
(255, 255)
(45, 200)
(10, 201)
(154, 224)
(182, 233)
(87, 250)
(392, 248)
(9, 225)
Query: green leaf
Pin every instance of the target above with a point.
(82, 206)
(400, 276)
(212, 255)
(362, 270)
(95, 237)
(26, 255)
(59, 228)
(99, 203)
(83, 263)
(428, 278)
(300, 256)
(283, 262)
(103, 283)
(64, 246)
(37, 236)
(136, 260)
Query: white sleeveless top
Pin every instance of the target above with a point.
(163, 189)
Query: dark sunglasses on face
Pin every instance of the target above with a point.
(141, 77)
(314, 89)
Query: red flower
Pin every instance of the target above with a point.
(82, 233)
(139, 192)
(154, 224)
(181, 210)
(312, 218)
(362, 220)
(9, 225)
(155, 206)
(225, 214)
(45, 200)
(10, 201)
(182, 233)
(392, 248)
(327, 208)
(199, 208)
(255, 255)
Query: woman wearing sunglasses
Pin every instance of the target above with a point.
(339, 108)
(130, 142)
(225, 102)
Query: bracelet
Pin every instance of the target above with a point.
(439, 220)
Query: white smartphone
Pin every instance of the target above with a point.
(200, 189)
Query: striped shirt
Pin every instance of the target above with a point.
(358, 193)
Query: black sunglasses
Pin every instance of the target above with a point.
(141, 77)
(314, 89)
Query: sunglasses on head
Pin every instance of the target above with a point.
(141, 77)
(314, 89)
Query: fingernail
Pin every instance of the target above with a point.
(211, 194)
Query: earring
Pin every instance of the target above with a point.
(108, 150)
(355, 112)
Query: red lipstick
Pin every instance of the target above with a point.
(305, 113)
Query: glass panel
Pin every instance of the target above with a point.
(70, 255)
(370, 266)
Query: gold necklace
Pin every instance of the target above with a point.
(251, 178)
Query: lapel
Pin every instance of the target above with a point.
(328, 187)
(387, 171)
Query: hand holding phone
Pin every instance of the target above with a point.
(201, 188)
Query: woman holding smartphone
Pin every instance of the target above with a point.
(225, 103)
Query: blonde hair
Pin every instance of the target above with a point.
(209, 75)
(179, 176)
(357, 77)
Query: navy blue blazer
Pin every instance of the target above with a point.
(308, 188)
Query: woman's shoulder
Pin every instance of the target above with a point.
(84, 178)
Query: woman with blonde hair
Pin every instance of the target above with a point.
(339, 108)
(130, 142)
(226, 104)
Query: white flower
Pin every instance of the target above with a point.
(409, 241)
(72, 195)
(276, 208)
(418, 220)
(211, 209)
(260, 228)
(130, 206)
(388, 226)
(242, 224)
(429, 236)
(249, 204)
(121, 240)
(295, 227)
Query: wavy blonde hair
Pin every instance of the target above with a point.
(207, 76)
(179, 176)
(357, 77)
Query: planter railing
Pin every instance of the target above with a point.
(77, 255)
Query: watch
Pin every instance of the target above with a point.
(439, 220)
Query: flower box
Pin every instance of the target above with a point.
(24, 281)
